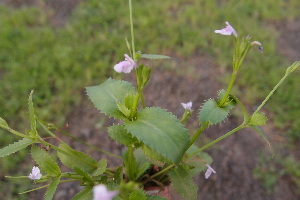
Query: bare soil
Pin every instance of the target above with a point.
(234, 158)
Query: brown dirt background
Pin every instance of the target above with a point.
(234, 158)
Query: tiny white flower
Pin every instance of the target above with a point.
(209, 171)
(101, 193)
(187, 106)
(228, 30)
(35, 173)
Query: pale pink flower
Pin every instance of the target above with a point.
(125, 66)
(209, 171)
(260, 47)
(35, 174)
(101, 193)
(228, 30)
(187, 106)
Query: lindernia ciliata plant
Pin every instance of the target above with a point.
(143, 130)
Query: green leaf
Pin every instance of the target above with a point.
(3, 123)
(85, 194)
(121, 135)
(138, 195)
(16, 146)
(32, 116)
(154, 157)
(86, 176)
(118, 177)
(212, 113)
(154, 56)
(154, 127)
(183, 183)
(257, 129)
(106, 96)
(258, 119)
(45, 161)
(130, 166)
(142, 163)
(230, 102)
(155, 197)
(52, 188)
(102, 164)
(78, 159)
(124, 109)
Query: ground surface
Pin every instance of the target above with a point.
(234, 158)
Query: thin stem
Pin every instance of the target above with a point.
(271, 93)
(89, 145)
(131, 30)
(228, 90)
(130, 163)
(15, 132)
(158, 173)
(217, 140)
(198, 133)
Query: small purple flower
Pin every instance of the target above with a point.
(101, 193)
(209, 171)
(187, 106)
(260, 47)
(125, 66)
(228, 30)
(35, 174)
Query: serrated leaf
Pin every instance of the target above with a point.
(52, 188)
(155, 197)
(3, 123)
(16, 146)
(124, 109)
(121, 135)
(258, 119)
(86, 176)
(257, 129)
(32, 116)
(101, 167)
(212, 113)
(106, 96)
(85, 194)
(155, 126)
(154, 56)
(76, 159)
(138, 195)
(130, 165)
(229, 104)
(45, 161)
(183, 183)
(118, 176)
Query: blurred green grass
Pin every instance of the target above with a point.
(59, 62)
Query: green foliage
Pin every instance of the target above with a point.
(120, 134)
(154, 57)
(32, 116)
(85, 194)
(138, 195)
(71, 158)
(3, 123)
(52, 188)
(16, 146)
(258, 119)
(154, 126)
(107, 95)
(183, 183)
(101, 167)
(212, 113)
(45, 161)
(142, 163)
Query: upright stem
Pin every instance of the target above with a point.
(131, 30)
(198, 133)
(228, 90)
(271, 93)
(130, 163)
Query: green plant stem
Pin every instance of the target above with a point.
(89, 145)
(158, 173)
(230, 85)
(130, 163)
(131, 30)
(143, 100)
(64, 181)
(198, 133)
(271, 93)
(66, 153)
(218, 139)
